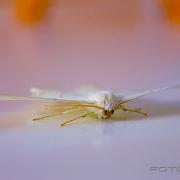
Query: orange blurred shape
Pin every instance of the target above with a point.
(173, 10)
(31, 11)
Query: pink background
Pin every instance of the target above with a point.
(115, 44)
(82, 43)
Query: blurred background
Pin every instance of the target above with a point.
(117, 44)
(61, 44)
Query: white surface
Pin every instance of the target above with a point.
(115, 149)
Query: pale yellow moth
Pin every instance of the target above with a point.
(84, 102)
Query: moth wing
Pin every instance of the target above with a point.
(22, 98)
(144, 93)
(87, 89)
(51, 107)
(56, 109)
(36, 92)
(29, 98)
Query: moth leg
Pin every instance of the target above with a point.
(74, 119)
(53, 115)
(137, 110)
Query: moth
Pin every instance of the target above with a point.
(84, 102)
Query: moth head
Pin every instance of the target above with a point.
(106, 113)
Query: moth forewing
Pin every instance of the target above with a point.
(58, 109)
(50, 111)
(53, 107)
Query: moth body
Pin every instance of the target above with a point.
(83, 102)
(107, 101)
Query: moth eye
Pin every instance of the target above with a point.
(105, 112)
(112, 111)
